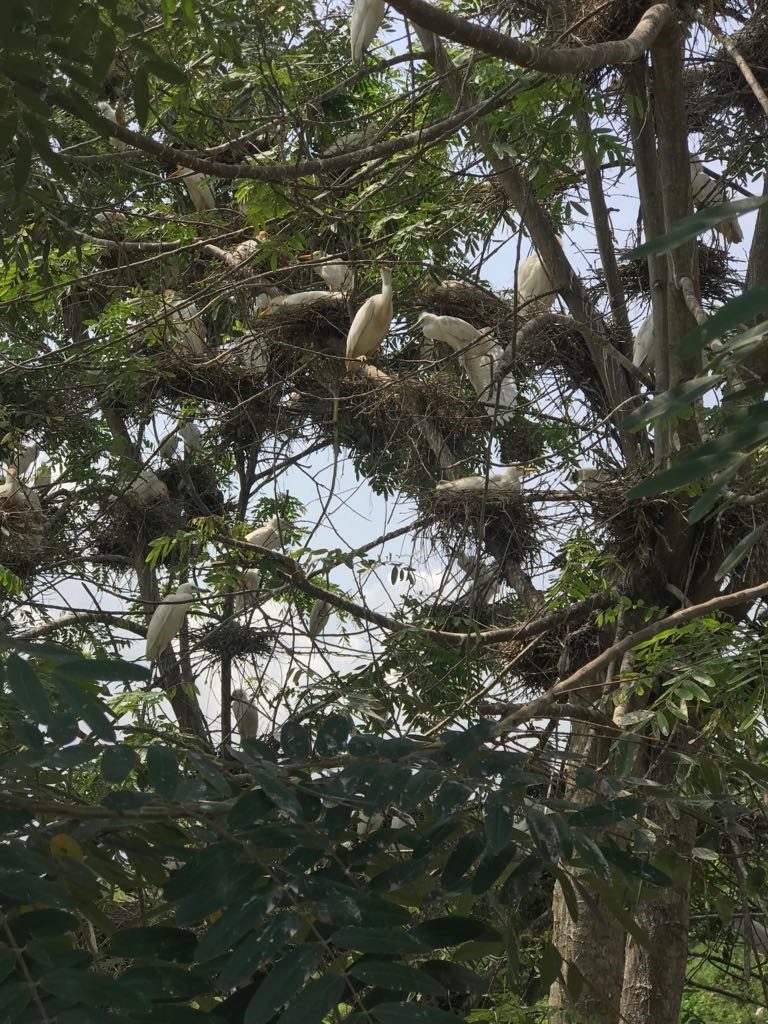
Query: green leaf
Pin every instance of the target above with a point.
(27, 689)
(289, 975)
(412, 1013)
(608, 813)
(163, 770)
(489, 869)
(282, 796)
(106, 670)
(499, 820)
(117, 763)
(689, 227)
(332, 735)
(229, 929)
(91, 710)
(387, 974)
(633, 866)
(22, 164)
(141, 94)
(741, 551)
(316, 1001)
(737, 311)
(691, 468)
(295, 740)
(549, 965)
(44, 922)
(591, 854)
(378, 940)
(72, 986)
(258, 949)
(545, 834)
(167, 71)
(160, 941)
(454, 977)
(671, 402)
(441, 932)
(521, 879)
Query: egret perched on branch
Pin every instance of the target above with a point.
(187, 329)
(337, 274)
(267, 536)
(708, 191)
(168, 618)
(509, 479)
(245, 715)
(252, 352)
(198, 188)
(107, 110)
(534, 286)
(250, 584)
(644, 344)
(318, 617)
(367, 16)
(371, 323)
(192, 436)
(149, 488)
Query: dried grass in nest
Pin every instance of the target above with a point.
(716, 283)
(632, 526)
(583, 22)
(720, 535)
(235, 640)
(511, 526)
(22, 538)
(217, 378)
(321, 326)
(203, 480)
(536, 669)
(127, 527)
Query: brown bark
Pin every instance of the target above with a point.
(593, 944)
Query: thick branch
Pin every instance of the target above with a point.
(115, 619)
(572, 61)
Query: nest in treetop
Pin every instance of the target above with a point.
(127, 527)
(508, 522)
(476, 305)
(234, 640)
(716, 283)
(632, 527)
(583, 22)
(535, 669)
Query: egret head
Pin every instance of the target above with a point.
(240, 694)
(318, 254)
(517, 469)
(262, 236)
(189, 590)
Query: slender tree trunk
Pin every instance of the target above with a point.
(594, 944)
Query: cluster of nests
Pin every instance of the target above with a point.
(129, 522)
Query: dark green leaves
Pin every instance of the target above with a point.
(378, 940)
(160, 940)
(442, 932)
(163, 769)
(27, 689)
(400, 977)
(317, 1000)
(117, 763)
(288, 976)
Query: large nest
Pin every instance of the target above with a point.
(478, 306)
(195, 487)
(235, 640)
(127, 527)
(509, 523)
(536, 668)
(716, 282)
(719, 93)
(583, 22)
(633, 528)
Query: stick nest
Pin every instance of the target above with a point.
(128, 527)
(235, 640)
(716, 282)
(22, 538)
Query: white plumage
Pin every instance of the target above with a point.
(590, 479)
(644, 344)
(107, 110)
(167, 620)
(303, 298)
(533, 284)
(192, 436)
(252, 352)
(508, 480)
(198, 189)
(244, 715)
(12, 493)
(267, 536)
(168, 445)
(250, 584)
(337, 274)
(367, 16)
(186, 327)
(318, 617)
(707, 191)
(450, 329)
(149, 488)
(484, 578)
(371, 322)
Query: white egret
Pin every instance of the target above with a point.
(352, 140)
(644, 344)
(318, 617)
(187, 329)
(245, 715)
(167, 619)
(484, 578)
(43, 476)
(367, 16)
(168, 444)
(534, 286)
(308, 298)
(508, 480)
(27, 456)
(12, 493)
(252, 352)
(371, 322)
(198, 188)
(450, 329)
(149, 488)
(250, 248)
(192, 436)
(708, 191)
(337, 274)
(249, 586)
(267, 536)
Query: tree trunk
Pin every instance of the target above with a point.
(593, 944)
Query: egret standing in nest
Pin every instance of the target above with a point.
(318, 617)
(707, 191)
(245, 715)
(267, 536)
(187, 329)
(534, 286)
(168, 618)
(198, 188)
(149, 488)
(367, 16)
(337, 274)
(371, 323)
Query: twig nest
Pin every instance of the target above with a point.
(235, 640)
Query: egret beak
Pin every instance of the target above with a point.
(526, 469)
(306, 256)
